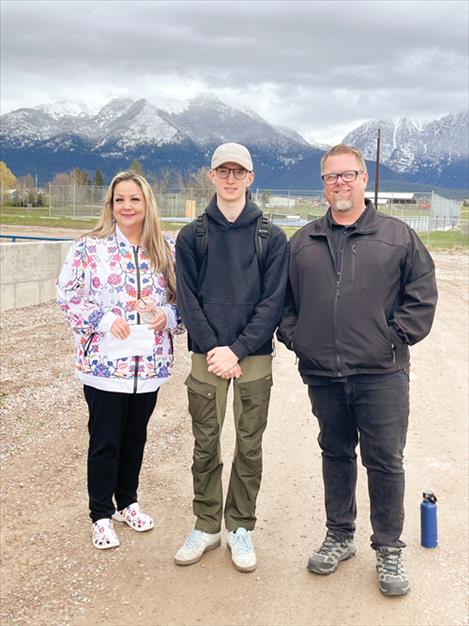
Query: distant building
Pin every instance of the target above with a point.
(285, 202)
(391, 197)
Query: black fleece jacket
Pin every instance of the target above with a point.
(228, 303)
(359, 317)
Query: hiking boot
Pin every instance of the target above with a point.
(333, 550)
(195, 546)
(243, 554)
(392, 576)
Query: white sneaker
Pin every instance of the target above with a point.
(195, 546)
(243, 554)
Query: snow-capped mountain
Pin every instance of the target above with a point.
(435, 151)
(61, 109)
(180, 136)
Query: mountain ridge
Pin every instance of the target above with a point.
(181, 135)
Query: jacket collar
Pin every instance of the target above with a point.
(122, 239)
(321, 226)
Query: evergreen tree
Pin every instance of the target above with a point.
(136, 167)
(98, 178)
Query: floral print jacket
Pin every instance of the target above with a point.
(100, 280)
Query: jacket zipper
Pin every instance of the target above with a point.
(336, 319)
(336, 305)
(137, 358)
(87, 346)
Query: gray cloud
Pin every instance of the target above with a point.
(318, 67)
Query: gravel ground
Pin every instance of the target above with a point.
(52, 575)
(43, 465)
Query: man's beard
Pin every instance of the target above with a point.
(343, 205)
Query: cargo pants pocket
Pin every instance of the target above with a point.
(254, 398)
(202, 399)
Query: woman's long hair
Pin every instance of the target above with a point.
(153, 241)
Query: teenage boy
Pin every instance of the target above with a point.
(231, 279)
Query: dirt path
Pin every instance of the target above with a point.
(51, 574)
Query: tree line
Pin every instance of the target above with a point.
(23, 190)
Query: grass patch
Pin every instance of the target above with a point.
(38, 220)
(445, 240)
(64, 222)
(14, 216)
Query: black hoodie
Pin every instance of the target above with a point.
(228, 303)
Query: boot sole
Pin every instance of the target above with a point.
(394, 593)
(331, 571)
(212, 546)
(389, 592)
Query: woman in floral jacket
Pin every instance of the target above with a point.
(117, 291)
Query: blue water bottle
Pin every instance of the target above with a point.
(428, 523)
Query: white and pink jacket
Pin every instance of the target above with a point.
(100, 280)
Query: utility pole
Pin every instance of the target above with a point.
(378, 141)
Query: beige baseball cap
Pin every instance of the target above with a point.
(232, 153)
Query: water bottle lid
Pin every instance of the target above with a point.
(429, 496)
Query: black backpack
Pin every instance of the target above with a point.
(261, 239)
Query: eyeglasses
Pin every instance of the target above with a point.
(238, 172)
(348, 177)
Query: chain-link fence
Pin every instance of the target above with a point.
(423, 211)
(87, 201)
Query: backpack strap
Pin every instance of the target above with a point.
(201, 241)
(261, 242)
(261, 239)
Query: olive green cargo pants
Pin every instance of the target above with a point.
(207, 405)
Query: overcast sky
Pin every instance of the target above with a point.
(320, 68)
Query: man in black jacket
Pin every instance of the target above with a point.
(361, 290)
(230, 293)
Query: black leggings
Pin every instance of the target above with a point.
(118, 431)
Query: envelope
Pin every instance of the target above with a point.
(140, 342)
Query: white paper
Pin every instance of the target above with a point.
(140, 342)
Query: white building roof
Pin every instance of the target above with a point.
(390, 195)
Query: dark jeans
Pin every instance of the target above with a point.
(373, 410)
(118, 430)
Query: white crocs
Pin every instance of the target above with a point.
(104, 535)
(134, 517)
